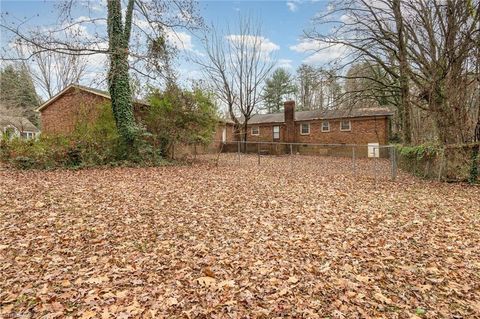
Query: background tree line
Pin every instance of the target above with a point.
(420, 57)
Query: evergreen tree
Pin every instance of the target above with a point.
(277, 88)
(17, 92)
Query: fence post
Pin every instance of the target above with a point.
(442, 163)
(238, 151)
(393, 157)
(353, 160)
(375, 163)
(258, 152)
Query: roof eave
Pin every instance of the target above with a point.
(59, 94)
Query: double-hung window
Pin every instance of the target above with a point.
(255, 130)
(276, 132)
(345, 125)
(305, 128)
(325, 126)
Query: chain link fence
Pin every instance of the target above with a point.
(451, 163)
(378, 162)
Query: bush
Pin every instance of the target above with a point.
(180, 117)
(447, 163)
(175, 117)
(90, 144)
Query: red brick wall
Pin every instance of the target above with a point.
(363, 131)
(62, 115)
(266, 133)
(218, 135)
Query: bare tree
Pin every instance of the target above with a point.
(218, 73)
(317, 88)
(237, 65)
(52, 71)
(369, 34)
(424, 46)
(136, 32)
(442, 51)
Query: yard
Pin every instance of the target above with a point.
(299, 237)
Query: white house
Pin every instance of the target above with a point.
(12, 126)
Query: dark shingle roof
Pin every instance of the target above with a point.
(21, 123)
(320, 115)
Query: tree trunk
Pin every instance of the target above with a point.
(118, 77)
(404, 85)
(245, 134)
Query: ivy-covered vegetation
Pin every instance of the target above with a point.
(419, 152)
(90, 144)
(175, 117)
(446, 163)
(180, 117)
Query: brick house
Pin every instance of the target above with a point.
(356, 126)
(61, 113)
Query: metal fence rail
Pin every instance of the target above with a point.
(377, 162)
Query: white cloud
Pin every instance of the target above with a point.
(266, 46)
(347, 19)
(319, 52)
(284, 63)
(292, 6)
(180, 40)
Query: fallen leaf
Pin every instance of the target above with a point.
(206, 281)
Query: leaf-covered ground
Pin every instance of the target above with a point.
(295, 238)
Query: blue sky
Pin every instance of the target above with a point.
(283, 23)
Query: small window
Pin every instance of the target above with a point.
(255, 130)
(325, 126)
(345, 125)
(305, 128)
(276, 132)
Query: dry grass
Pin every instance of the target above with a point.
(305, 239)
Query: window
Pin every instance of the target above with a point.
(255, 130)
(325, 126)
(224, 135)
(276, 132)
(345, 125)
(10, 132)
(305, 128)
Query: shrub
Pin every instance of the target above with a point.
(90, 144)
(175, 116)
(178, 116)
(449, 162)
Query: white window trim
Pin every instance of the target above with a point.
(323, 130)
(301, 131)
(349, 126)
(255, 134)
(16, 132)
(273, 132)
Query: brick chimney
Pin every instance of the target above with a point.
(289, 112)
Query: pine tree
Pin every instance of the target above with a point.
(277, 88)
(17, 92)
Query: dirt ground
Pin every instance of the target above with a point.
(293, 237)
